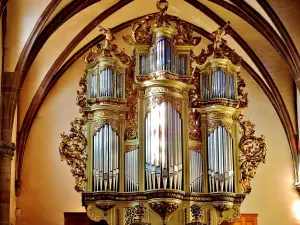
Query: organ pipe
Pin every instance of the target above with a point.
(220, 161)
(163, 151)
(105, 163)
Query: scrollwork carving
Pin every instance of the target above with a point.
(235, 216)
(164, 209)
(130, 214)
(141, 33)
(93, 214)
(72, 150)
(197, 213)
(81, 94)
(242, 96)
(253, 152)
(216, 119)
(194, 125)
(184, 35)
(129, 148)
(152, 101)
(131, 131)
(115, 124)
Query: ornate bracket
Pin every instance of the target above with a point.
(72, 150)
(253, 152)
(164, 209)
(105, 207)
(197, 214)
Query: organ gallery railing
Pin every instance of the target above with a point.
(162, 127)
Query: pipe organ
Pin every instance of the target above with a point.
(159, 138)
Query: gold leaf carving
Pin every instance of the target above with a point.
(81, 94)
(242, 96)
(72, 150)
(115, 124)
(153, 101)
(93, 213)
(194, 125)
(215, 119)
(131, 131)
(253, 152)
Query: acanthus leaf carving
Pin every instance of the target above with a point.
(194, 125)
(73, 150)
(253, 152)
(131, 131)
(242, 96)
(164, 209)
(81, 94)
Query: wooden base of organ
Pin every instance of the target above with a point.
(82, 219)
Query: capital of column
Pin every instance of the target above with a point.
(7, 149)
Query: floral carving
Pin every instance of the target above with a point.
(131, 131)
(81, 94)
(155, 100)
(253, 152)
(242, 96)
(164, 209)
(141, 33)
(216, 119)
(72, 150)
(197, 213)
(194, 125)
(105, 207)
(184, 35)
(93, 213)
(113, 123)
(129, 148)
(130, 214)
(235, 216)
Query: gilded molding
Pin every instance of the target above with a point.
(253, 152)
(139, 196)
(106, 101)
(73, 150)
(106, 115)
(7, 149)
(105, 206)
(215, 119)
(159, 90)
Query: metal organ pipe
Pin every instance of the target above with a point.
(106, 83)
(218, 82)
(163, 151)
(220, 161)
(105, 163)
(163, 53)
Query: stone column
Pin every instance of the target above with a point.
(6, 155)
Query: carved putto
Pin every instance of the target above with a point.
(253, 152)
(72, 150)
(184, 35)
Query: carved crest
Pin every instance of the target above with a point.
(242, 96)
